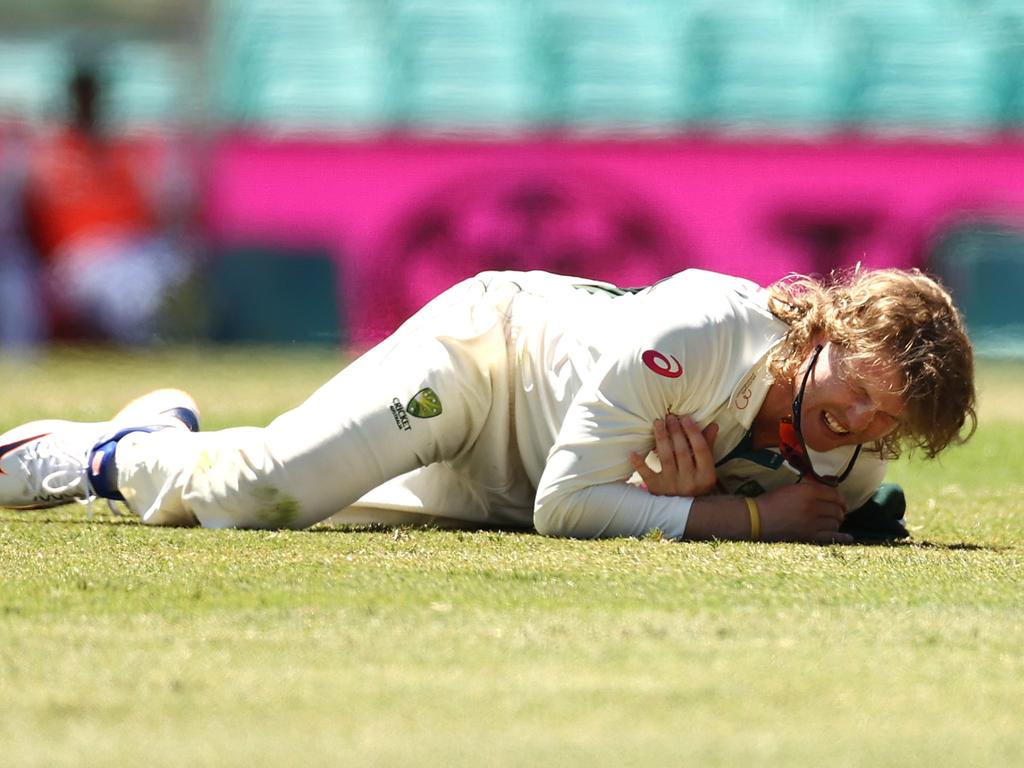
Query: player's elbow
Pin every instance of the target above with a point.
(546, 521)
(558, 516)
(556, 526)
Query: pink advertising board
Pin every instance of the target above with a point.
(406, 218)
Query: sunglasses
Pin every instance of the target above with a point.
(791, 438)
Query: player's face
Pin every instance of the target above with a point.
(847, 403)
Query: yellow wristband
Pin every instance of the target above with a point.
(755, 519)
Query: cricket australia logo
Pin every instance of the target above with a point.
(398, 413)
(425, 404)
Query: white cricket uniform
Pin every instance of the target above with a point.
(544, 385)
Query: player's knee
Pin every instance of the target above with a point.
(237, 483)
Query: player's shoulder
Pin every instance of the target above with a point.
(697, 298)
(543, 283)
(708, 285)
(718, 326)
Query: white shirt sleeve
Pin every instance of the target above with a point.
(583, 491)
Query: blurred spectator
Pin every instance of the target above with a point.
(21, 311)
(107, 260)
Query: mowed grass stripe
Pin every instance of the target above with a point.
(126, 568)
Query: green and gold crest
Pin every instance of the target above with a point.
(425, 404)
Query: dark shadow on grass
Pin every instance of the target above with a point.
(959, 546)
(385, 528)
(393, 530)
(84, 521)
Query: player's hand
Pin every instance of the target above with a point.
(808, 511)
(687, 461)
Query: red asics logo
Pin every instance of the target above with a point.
(669, 367)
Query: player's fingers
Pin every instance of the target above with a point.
(827, 522)
(834, 513)
(641, 468)
(710, 434)
(824, 494)
(682, 449)
(702, 458)
(663, 446)
(829, 505)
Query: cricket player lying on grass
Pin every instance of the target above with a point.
(526, 400)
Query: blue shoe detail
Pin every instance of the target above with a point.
(186, 416)
(102, 469)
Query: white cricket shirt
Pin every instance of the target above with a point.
(594, 367)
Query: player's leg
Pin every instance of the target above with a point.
(485, 486)
(355, 433)
(420, 397)
(436, 495)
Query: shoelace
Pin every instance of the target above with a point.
(68, 480)
(51, 474)
(72, 481)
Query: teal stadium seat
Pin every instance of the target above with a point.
(273, 296)
(919, 67)
(617, 67)
(146, 84)
(305, 65)
(982, 263)
(916, 66)
(466, 65)
(143, 81)
(1003, 25)
(764, 66)
(32, 76)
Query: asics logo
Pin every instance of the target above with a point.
(10, 448)
(669, 366)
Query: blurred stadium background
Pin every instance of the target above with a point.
(350, 158)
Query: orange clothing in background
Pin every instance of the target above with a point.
(79, 188)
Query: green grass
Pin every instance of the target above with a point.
(125, 645)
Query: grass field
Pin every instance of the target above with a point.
(124, 645)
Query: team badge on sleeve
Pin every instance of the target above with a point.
(667, 366)
(425, 404)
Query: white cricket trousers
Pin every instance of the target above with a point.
(356, 446)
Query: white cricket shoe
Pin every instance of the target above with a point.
(52, 462)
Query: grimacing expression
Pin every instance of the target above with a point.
(846, 402)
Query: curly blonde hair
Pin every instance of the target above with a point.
(893, 316)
